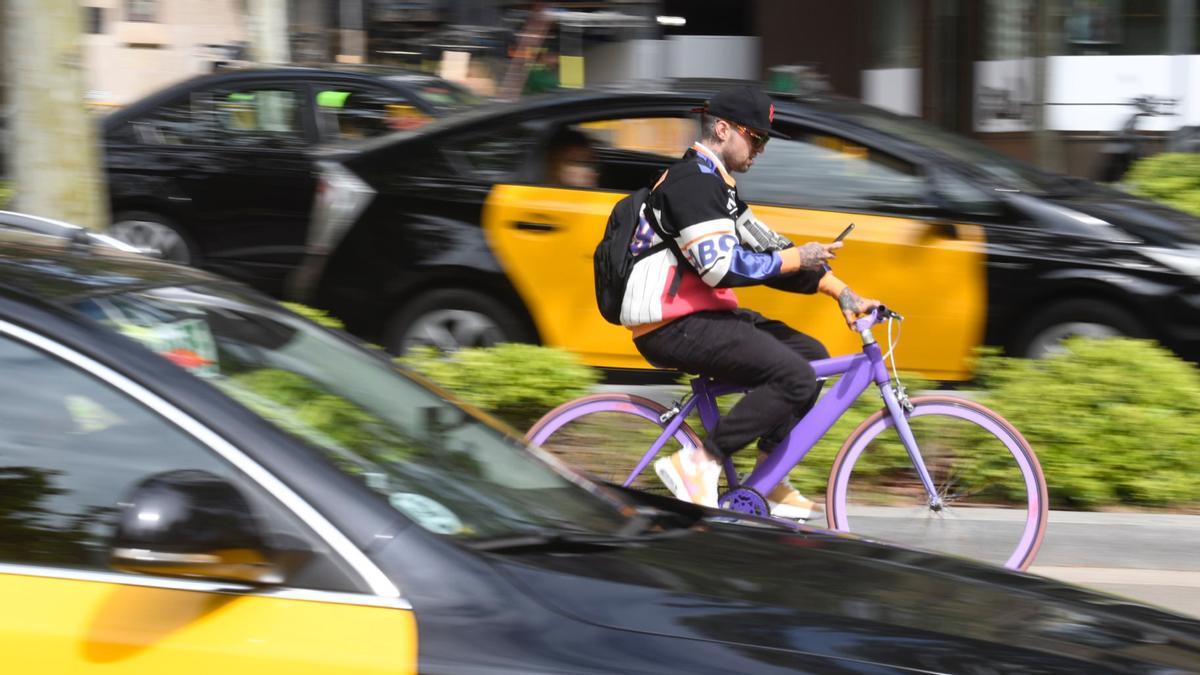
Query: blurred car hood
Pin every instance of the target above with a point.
(1152, 222)
(821, 593)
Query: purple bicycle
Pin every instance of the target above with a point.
(936, 472)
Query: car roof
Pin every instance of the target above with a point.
(390, 76)
(802, 105)
(58, 270)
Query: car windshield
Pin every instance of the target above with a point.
(448, 470)
(1004, 171)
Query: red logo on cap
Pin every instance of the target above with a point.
(771, 113)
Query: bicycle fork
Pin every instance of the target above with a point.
(898, 407)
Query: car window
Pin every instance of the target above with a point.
(173, 124)
(72, 447)
(615, 154)
(352, 112)
(494, 156)
(250, 118)
(448, 471)
(817, 169)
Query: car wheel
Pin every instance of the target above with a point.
(1046, 330)
(451, 319)
(155, 235)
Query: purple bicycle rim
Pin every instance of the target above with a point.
(609, 405)
(1033, 508)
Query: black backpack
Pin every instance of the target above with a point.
(613, 261)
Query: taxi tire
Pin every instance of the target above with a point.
(511, 326)
(1078, 310)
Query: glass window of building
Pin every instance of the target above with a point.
(1116, 27)
(894, 35)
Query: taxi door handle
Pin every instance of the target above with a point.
(535, 227)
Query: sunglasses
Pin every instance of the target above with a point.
(757, 138)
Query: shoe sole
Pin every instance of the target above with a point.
(790, 512)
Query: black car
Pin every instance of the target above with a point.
(194, 478)
(458, 234)
(214, 171)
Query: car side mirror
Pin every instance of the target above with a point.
(191, 523)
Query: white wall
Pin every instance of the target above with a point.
(119, 74)
(624, 61)
(895, 89)
(713, 56)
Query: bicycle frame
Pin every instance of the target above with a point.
(858, 372)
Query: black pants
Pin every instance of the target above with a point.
(745, 348)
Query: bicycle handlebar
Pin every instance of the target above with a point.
(881, 313)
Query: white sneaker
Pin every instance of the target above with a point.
(690, 476)
(787, 502)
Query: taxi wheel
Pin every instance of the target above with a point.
(156, 235)
(451, 319)
(1046, 329)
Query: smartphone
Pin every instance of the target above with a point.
(848, 230)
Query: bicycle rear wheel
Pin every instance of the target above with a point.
(994, 494)
(606, 435)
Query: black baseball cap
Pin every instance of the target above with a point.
(745, 104)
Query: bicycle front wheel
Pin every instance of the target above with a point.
(993, 494)
(606, 435)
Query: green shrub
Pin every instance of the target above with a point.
(516, 382)
(318, 316)
(1114, 422)
(1171, 178)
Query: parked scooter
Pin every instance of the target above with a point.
(1118, 155)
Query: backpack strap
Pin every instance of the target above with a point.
(667, 240)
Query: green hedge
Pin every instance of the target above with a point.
(516, 382)
(1114, 422)
(1172, 178)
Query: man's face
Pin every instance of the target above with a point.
(740, 147)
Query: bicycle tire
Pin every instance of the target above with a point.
(969, 533)
(625, 439)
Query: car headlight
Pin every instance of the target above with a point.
(1184, 260)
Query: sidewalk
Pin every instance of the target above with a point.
(1151, 558)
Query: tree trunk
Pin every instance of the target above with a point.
(54, 153)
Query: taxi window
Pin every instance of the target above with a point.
(822, 170)
(72, 448)
(616, 154)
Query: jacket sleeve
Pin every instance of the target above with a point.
(760, 237)
(696, 212)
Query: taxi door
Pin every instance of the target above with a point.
(58, 621)
(932, 270)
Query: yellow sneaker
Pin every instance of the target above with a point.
(690, 476)
(787, 502)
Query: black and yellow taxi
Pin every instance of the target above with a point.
(193, 479)
(462, 233)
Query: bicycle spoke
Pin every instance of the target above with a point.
(981, 502)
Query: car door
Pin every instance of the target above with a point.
(544, 232)
(74, 439)
(240, 173)
(914, 256)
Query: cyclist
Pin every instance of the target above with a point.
(686, 316)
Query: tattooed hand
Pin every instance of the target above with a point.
(814, 255)
(853, 306)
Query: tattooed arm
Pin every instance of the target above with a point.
(810, 256)
(851, 304)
